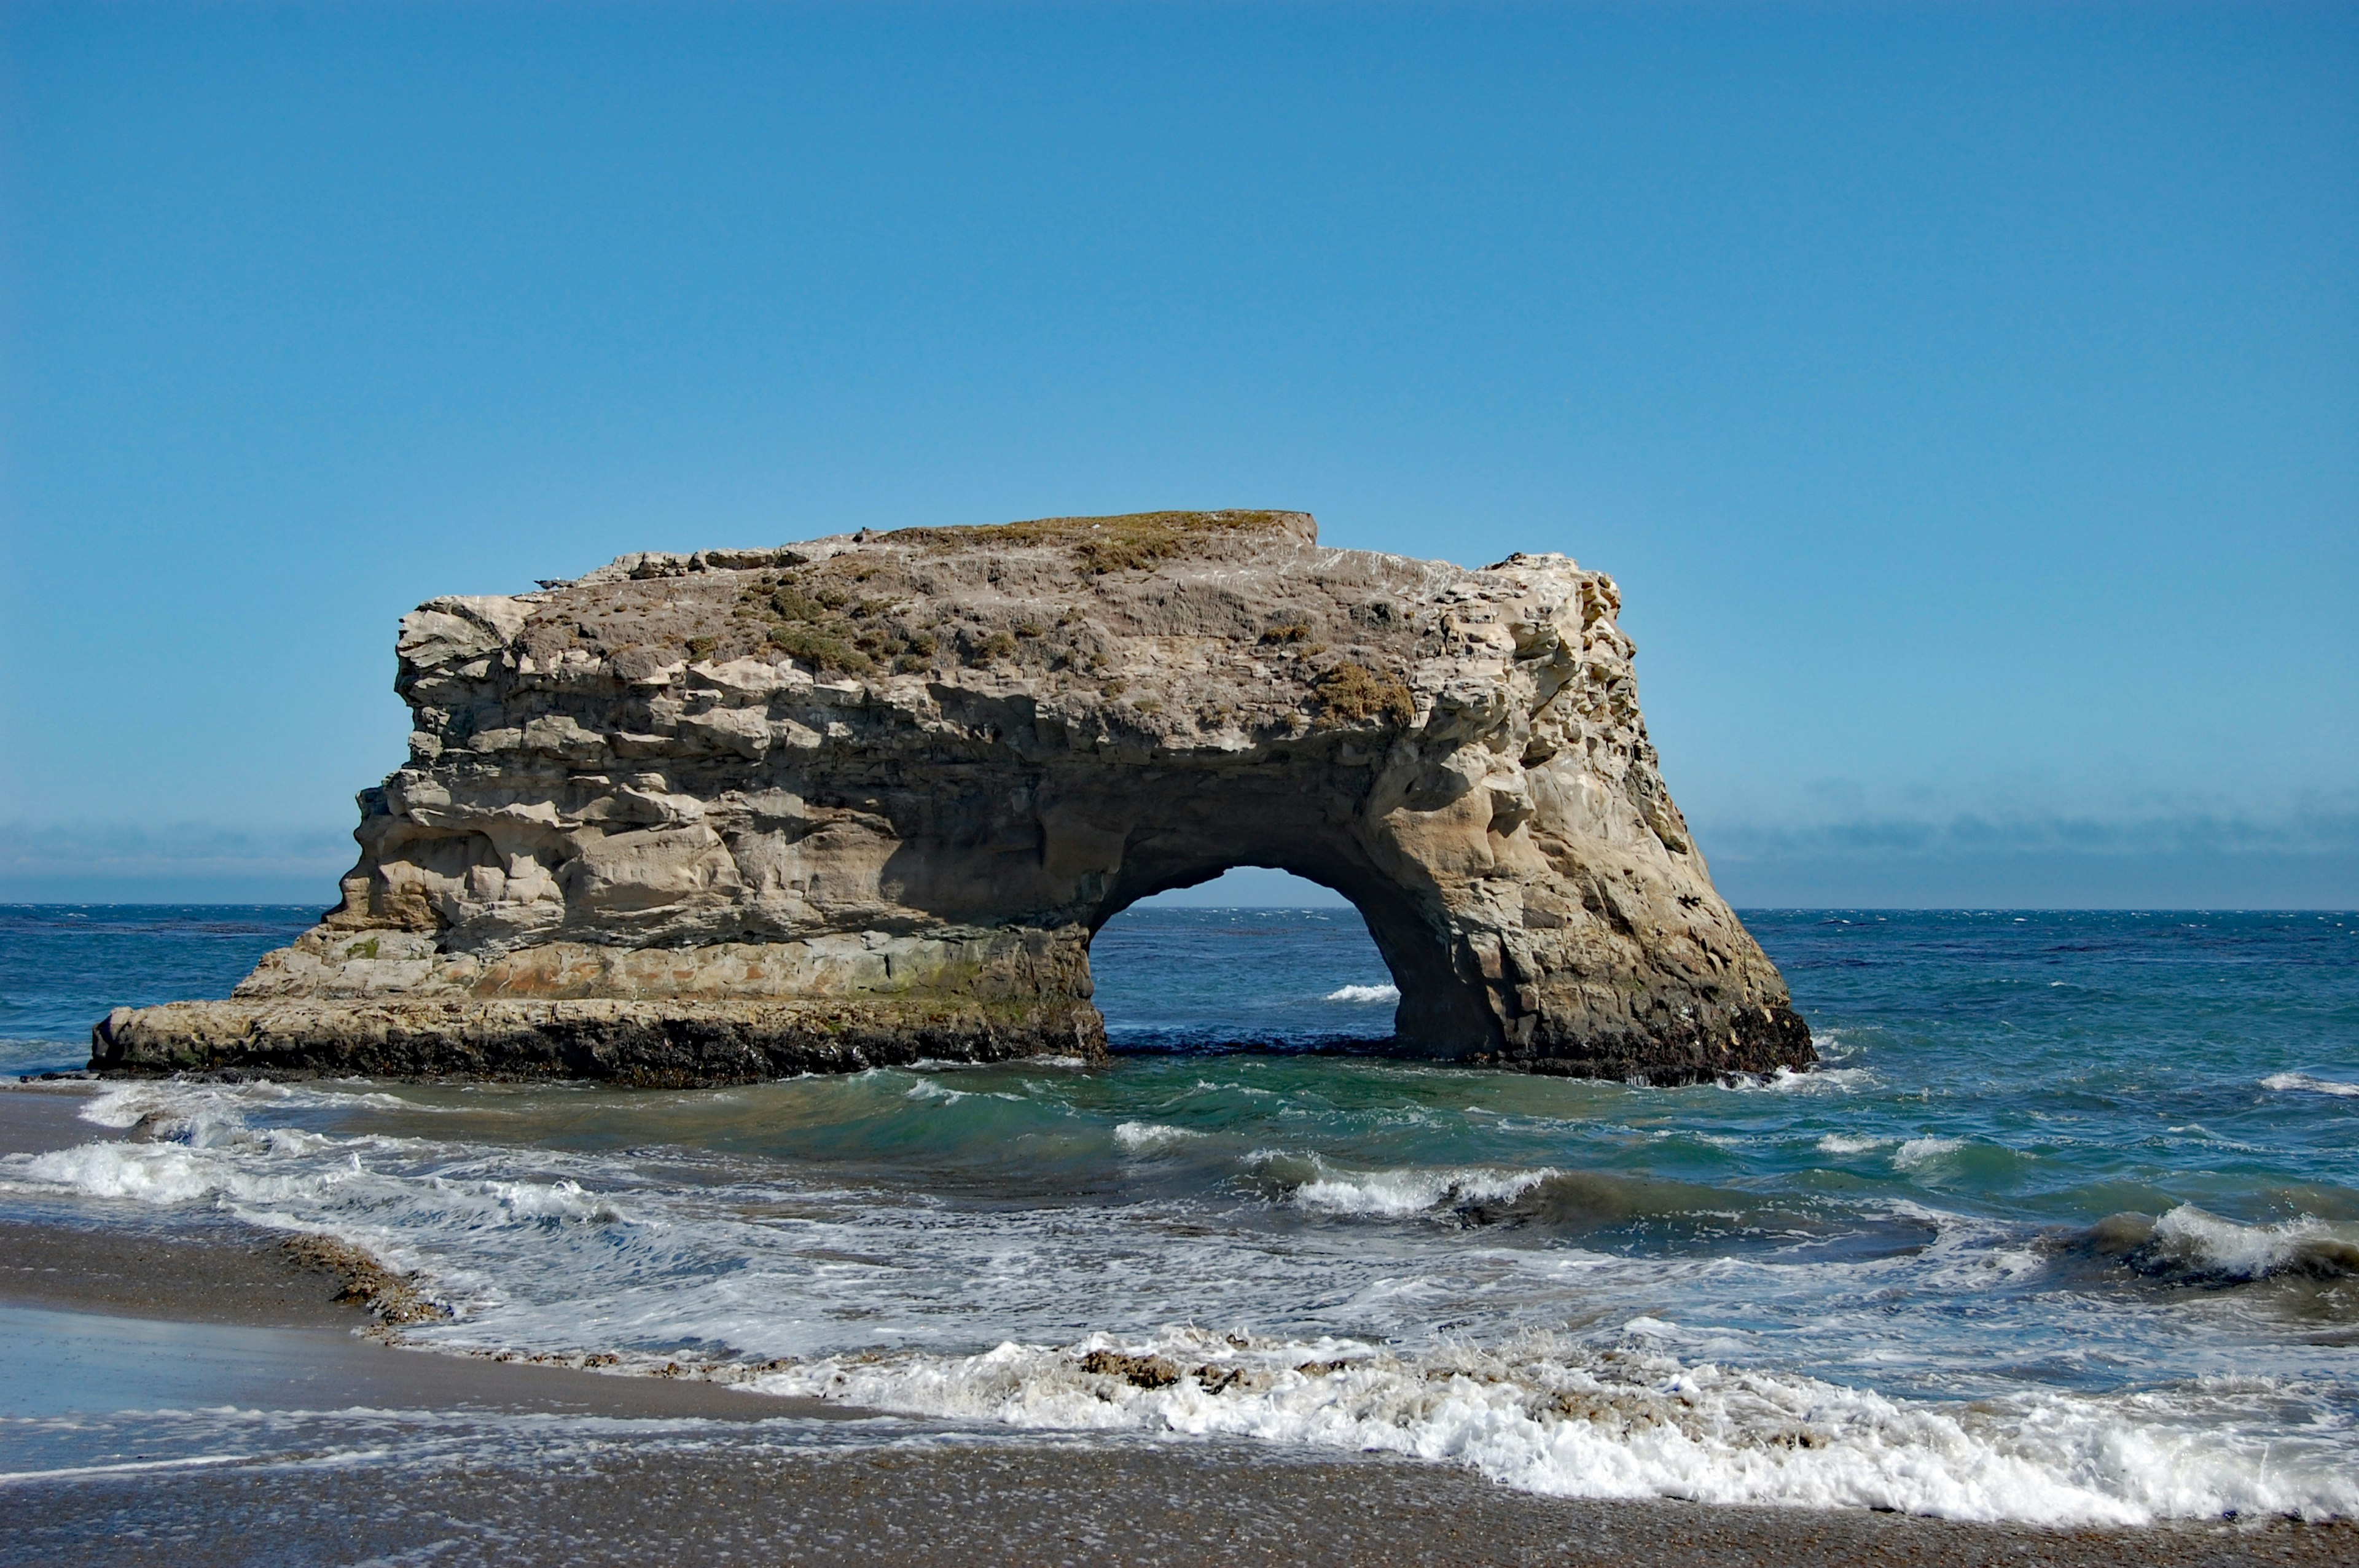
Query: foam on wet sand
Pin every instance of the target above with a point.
(158, 1440)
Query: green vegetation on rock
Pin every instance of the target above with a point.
(1351, 692)
(1105, 545)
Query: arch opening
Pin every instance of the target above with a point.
(1250, 956)
(1435, 1011)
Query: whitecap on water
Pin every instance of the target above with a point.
(1785, 1080)
(1316, 1186)
(1921, 1151)
(1151, 1137)
(559, 1199)
(2306, 1083)
(1363, 993)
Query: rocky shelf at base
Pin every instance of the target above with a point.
(642, 1043)
(706, 818)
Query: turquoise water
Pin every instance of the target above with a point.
(2067, 1226)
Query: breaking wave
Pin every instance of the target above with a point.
(1151, 1137)
(1308, 1181)
(1567, 1418)
(2189, 1246)
(1924, 1151)
(1571, 1206)
(1363, 993)
(1554, 1357)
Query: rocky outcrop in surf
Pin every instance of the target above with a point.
(726, 816)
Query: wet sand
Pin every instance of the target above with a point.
(518, 1464)
(38, 1116)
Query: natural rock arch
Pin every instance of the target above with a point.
(1439, 1013)
(701, 819)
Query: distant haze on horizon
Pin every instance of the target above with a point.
(1965, 397)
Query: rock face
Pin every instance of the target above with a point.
(710, 818)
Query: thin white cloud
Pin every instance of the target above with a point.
(2315, 825)
(103, 852)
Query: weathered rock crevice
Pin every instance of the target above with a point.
(866, 799)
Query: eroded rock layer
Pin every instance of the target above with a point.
(711, 817)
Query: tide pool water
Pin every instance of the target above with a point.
(2066, 1229)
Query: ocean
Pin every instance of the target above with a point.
(2065, 1229)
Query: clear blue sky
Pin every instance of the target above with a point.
(1966, 398)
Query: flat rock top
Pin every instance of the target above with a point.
(1192, 626)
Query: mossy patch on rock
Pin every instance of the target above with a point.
(1103, 544)
(1351, 693)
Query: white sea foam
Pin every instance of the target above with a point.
(1921, 1151)
(284, 1192)
(881, 1295)
(1834, 1045)
(1363, 993)
(130, 1468)
(2188, 1240)
(2305, 1082)
(161, 1173)
(201, 1150)
(553, 1200)
(1785, 1081)
(1848, 1144)
(1570, 1420)
(123, 1106)
(1151, 1137)
(1398, 1193)
(186, 1105)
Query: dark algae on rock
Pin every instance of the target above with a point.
(863, 800)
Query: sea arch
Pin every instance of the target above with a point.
(867, 798)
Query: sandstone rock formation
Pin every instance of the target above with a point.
(709, 818)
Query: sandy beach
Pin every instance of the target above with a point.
(339, 1448)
